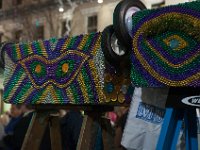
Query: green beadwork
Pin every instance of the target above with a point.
(42, 73)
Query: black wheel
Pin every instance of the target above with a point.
(122, 19)
(114, 52)
(2, 54)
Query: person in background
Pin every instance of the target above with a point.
(5, 118)
(15, 140)
(70, 129)
(16, 115)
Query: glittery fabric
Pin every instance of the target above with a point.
(56, 71)
(166, 46)
(117, 88)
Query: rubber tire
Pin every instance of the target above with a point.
(119, 23)
(2, 54)
(111, 57)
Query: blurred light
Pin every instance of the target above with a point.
(100, 1)
(61, 9)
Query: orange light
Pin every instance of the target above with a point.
(65, 67)
(38, 69)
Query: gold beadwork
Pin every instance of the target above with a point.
(181, 45)
(146, 28)
(121, 98)
(97, 45)
(22, 62)
(83, 42)
(18, 51)
(189, 60)
(108, 77)
(83, 87)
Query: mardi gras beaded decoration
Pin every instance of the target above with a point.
(166, 46)
(56, 71)
(117, 86)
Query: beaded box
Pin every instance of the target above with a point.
(68, 70)
(166, 46)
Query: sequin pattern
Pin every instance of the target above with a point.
(166, 46)
(56, 71)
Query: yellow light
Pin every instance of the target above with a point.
(100, 1)
(61, 9)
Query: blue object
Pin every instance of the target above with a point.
(172, 126)
(11, 125)
(109, 87)
(174, 43)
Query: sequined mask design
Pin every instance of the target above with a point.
(56, 71)
(166, 46)
(59, 72)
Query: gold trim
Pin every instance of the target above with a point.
(169, 63)
(182, 44)
(64, 47)
(97, 45)
(43, 49)
(83, 41)
(22, 62)
(145, 64)
(14, 89)
(83, 87)
(18, 51)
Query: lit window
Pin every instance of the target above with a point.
(92, 24)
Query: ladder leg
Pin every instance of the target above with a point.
(191, 129)
(35, 131)
(55, 133)
(108, 134)
(177, 129)
(88, 131)
(170, 129)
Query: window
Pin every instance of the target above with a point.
(39, 34)
(64, 28)
(17, 35)
(92, 24)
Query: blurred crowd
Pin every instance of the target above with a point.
(14, 125)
